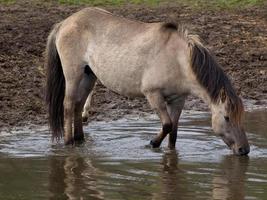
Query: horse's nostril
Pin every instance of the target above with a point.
(243, 150)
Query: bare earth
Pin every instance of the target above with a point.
(237, 38)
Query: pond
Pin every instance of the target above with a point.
(116, 162)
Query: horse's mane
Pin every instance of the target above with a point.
(209, 74)
(212, 77)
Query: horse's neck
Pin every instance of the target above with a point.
(201, 92)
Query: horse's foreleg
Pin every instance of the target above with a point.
(174, 109)
(158, 103)
(85, 88)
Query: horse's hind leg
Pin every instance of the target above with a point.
(72, 85)
(158, 103)
(86, 86)
(174, 109)
(86, 108)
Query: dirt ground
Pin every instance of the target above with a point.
(237, 38)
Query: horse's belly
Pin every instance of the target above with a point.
(119, 68)
(118, 80)
(124, 85)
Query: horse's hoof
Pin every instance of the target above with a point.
(154, 144)
(171, 146)
(79, 138)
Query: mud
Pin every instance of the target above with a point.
(237, 38)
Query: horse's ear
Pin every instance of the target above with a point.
(222, 95)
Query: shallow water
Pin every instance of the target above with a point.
(116, 163)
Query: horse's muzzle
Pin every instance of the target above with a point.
(241, 151)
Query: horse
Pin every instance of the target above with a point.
(160, 61)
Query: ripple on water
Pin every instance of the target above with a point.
(129, 138)
(116, 162)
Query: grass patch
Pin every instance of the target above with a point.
(222, 4)
(197, 4)
(109, 2)
(191, 3)
(7, 1)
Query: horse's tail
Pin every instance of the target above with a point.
(55, 86)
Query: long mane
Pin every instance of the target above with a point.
(210, 75)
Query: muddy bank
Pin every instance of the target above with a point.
(237, 38)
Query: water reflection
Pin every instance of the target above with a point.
(116, 164)
(256, 122)
(177, 179)
(72, 178)
(172, 182)
(229, 182)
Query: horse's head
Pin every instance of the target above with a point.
(227, 108)
(226, 121)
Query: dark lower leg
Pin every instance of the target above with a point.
(174, 109)
(157, 102)
(78, 125)
(156, 142)
(85, 88)
(172, 138)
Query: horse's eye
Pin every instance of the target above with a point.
(227, 118)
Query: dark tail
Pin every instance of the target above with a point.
(55, 86)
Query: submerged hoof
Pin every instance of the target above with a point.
(79, 138)
(171, 146)
(155, 144)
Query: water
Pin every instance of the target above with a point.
(116, 163)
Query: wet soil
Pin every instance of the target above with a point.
(238, 38)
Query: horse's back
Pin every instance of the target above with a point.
(119, 51)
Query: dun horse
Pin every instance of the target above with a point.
(160, 61)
